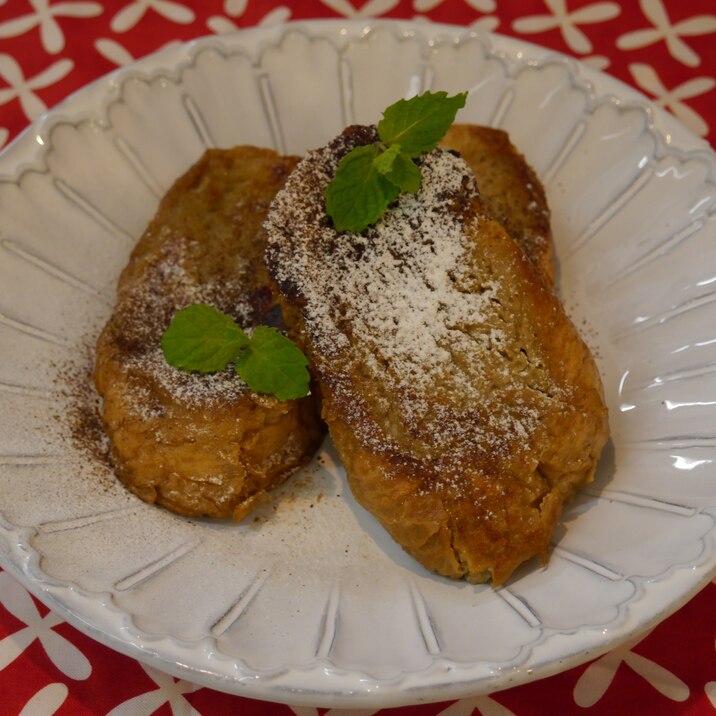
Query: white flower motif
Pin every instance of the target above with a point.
(62, 653)
(710, 687)
(170, 691)
(51, 35)
(567, 22)
(132, 13)
(46, 701)
(647, 78)
(597, 62)
(235, 8)
(488, 23)
(370, 9)
(23, 88)
(117, 54)
(482, 5)
(113, 51)
(276, 16)
(598, 676)
(480, 704)
(663, 30)
(710, 690)
(428, 5)
(219, 24)
(310, 711)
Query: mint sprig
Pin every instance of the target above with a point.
(360, 193)
(202, 339)
(419, 123)
(370, 177)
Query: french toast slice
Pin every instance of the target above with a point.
(510, 190)
(201, 445)
(461, 400)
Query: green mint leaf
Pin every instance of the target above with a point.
(273, 364)
(370, 177)
(419, 123)
(404, 173)
(359, 193)
(398, 168)
(201, 338)
(384, 160)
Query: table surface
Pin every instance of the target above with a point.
(49, 48)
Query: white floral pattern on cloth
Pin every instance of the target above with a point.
(219, 24)
(45, 16)
(46, 701)
(310, 711)
(488, 23)
(116, 53)
(598, 676)
(711, 692)
(653, 51)
(598, 62)
(710, 688)
(132, 13)
(648, 79)
(483, 705)
(567, 22)
(372, 8)
(169, 691)
(23, 88)
(483, 5)
(662, 29)
(480, 5)
(113, 51)
(235, 8)
(63, 653)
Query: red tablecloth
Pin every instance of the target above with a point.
(48, 48)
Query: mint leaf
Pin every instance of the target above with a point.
(419, 123)
(201, 338)
(370, 177)
(404, 173)
(359, 193)
(384, 160)
(273, 364)
(205, 340)
(398, 168)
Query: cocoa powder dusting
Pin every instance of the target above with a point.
(81, 419)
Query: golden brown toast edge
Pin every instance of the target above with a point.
(439, 532)
(388, 480)
(510, 190)
(202, 460)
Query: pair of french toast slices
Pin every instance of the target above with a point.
(464, 405)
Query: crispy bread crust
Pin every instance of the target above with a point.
(510, 191)
(200, 445)
(461, 400)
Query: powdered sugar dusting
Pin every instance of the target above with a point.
(145, 311)
(188, 389)
(400, 308)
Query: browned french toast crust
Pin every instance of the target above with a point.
(461, 400)
(510, 191)
(202, 445)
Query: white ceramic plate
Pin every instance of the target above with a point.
(314, 605)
